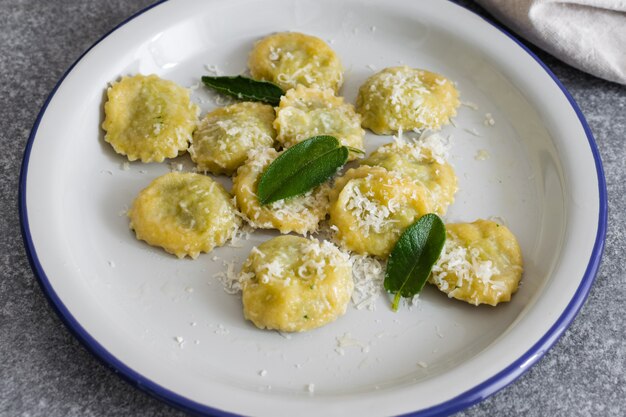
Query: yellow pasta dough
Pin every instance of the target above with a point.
(481, 263)
(370, 208)
(293, 284)
(412, 160)
(226, 135)
(299, 214)
(184, 213)
(305, 112)
(289, 59)
(403, 98)
(148, 118)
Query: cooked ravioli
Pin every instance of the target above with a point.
(293, 284)
(404, 98)
(226, 135)
(289, 59)
(370, 208)
(411, 159)
(299, 214)
(481, 263)
(305, 112)
(148, 118)
(184, 213)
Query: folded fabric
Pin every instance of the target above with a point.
(587, 34)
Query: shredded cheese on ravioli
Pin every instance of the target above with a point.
(369, 214)
(466, 265)
(426, 145)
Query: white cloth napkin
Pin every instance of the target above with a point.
(587, 34)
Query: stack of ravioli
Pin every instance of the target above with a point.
(291, 282)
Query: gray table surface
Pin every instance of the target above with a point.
(44, 371)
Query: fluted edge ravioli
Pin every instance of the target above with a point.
(226, 135)
(300, 214)
(404, 98)
(290, 59)
(184, 213)
(305, 112)
(481, 263)
(418, 164)
(148, 118)
(294, 284)
(371, 207)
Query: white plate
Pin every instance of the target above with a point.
(128, 302)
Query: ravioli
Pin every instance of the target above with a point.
(290, 59)
(226, 135)
(293, 284)
(403, 98)
(184, 213)
(481, 263)
(148, 118)
(305, 112)
(300, 214)
(418, 163)
(370, 208)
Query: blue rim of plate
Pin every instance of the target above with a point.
(460, 402)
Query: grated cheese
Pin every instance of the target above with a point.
(240, 233)
(180, 341)
(482, 155)
(466, 265)
(489, 121)
(438, 330)
(212, 69)
(231, 281)
(285, 335)
(176, 167)
(368, 274)
(423, 146)
(348, 341)
(368, 213)
(469, 104)
(473, 132)
(221, 330)
(499, 220)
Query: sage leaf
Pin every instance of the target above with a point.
(244, 88)
(413, 257)
(301, 167)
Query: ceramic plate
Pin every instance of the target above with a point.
(168, 325)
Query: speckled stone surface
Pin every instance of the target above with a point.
(44, 371)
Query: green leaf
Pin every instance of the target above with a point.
(413, 257)
(301, 167)
(244, 88)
